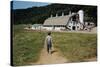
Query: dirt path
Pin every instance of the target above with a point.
(53, 58)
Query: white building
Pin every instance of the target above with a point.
(37, 26)
(73, 21)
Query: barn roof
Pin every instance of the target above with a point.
(60, 20)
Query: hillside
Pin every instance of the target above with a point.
(39, 14)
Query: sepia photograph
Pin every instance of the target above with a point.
(52, 33)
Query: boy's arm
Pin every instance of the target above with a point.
(51, 40)
(45, 42)
(52, 43)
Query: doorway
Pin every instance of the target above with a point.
(73, 28)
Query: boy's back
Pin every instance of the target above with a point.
(49, 43)
(49, 40)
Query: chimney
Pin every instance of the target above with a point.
(62, 14)
(56, 15)
(69, 12)
(51, 15)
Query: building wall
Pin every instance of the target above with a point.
(71, 25)
(53, 28)
(36, 28)
(47, 28)
(74, 25)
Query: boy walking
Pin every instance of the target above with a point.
(49, 42)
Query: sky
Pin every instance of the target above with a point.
(27, 4)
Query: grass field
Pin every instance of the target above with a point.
(26, 45)
(75, 47)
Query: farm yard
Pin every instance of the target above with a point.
(74, 47)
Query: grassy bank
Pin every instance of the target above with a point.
(26, 45)
(76, 47)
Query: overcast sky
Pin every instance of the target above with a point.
(26, 4)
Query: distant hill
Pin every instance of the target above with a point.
(39, 14)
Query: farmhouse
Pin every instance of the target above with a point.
(73, 21)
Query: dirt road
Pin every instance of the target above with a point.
(54, 58)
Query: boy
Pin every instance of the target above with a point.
(49, 42)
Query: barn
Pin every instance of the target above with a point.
(70, 22)
(73, 21)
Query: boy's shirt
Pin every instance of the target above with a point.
(49, 40)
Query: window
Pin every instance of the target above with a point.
(74, 18)
(88, 23)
